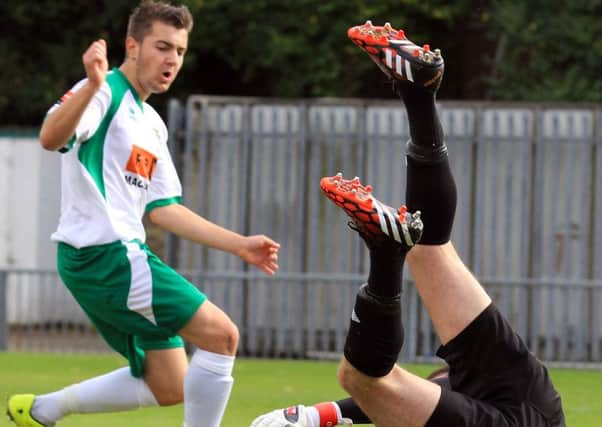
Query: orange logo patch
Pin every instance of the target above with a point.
(141, 162)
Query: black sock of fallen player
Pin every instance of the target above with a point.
(431, 189)
(425, 127)
(386, 265)
(349, 409)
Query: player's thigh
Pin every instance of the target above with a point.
(175, 300)
(212, 330)
(450, 292)
(459, 410)
(397, 399)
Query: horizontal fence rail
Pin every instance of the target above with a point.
(307, 315)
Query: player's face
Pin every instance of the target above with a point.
(159, 58)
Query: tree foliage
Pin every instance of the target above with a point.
(538, 50)
(299, 48)
(550, 50)
(41, 49)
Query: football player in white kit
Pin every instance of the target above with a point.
(115, 168)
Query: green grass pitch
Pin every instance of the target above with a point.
(260, 386)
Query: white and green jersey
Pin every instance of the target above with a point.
(116, 167)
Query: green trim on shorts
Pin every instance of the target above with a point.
(135, 301)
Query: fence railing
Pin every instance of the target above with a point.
(307, 315)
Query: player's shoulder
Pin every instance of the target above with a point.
(156, 119)
(151, 113)
(102, 95)
(81, 83)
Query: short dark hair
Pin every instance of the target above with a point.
(149, 11)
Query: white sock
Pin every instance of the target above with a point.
(112, 392)
(207, 387)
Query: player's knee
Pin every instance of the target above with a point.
(347, 377)
(222, 338)
(225, 340)
(231, 339)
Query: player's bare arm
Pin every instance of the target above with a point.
(60, 125)
(258, 250)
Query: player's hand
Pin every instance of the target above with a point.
(260, 251)
(96, 63)
(290, 417)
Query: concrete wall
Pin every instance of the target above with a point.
(30, 188)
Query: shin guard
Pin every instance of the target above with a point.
(375, 334)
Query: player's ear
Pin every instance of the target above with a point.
(131, 48)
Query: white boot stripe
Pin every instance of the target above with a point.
(386, 219)
(389, 58)
(409, 71)
(393, 222)
(406, 235)
(398, 67)
(400, 42)
(381, 217)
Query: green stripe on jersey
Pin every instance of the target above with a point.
(91, 152)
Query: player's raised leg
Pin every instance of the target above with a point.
(375, 332)
(369, 371)
(441, 278)
(402, 398)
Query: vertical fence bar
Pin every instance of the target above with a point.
(3, 312)
(175, 125)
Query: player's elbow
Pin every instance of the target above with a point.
(156, 216)
(45, 141)
(48, 141)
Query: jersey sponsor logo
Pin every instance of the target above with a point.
(141, 162)
(136, 182)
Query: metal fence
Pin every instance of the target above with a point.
(528, 176)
